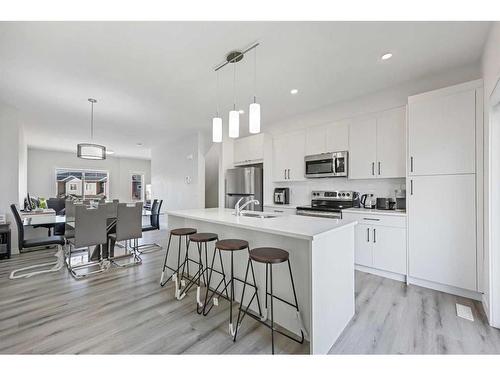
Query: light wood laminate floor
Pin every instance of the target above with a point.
(125, 311)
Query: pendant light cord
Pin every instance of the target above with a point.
(234, 87)
(217, 92)
(91, 121)
(255, 76)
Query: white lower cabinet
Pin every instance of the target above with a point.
(389, 249)
(363, 253)
(380, 241)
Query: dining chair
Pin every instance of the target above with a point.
(23, 243)
(128, 229)
(154, 224)
(90, 231)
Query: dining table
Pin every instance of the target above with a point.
(34, 220)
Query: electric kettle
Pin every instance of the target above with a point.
(368, 201)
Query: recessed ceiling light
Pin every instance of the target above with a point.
(386, 56)
(109, 152)
(138, 144)
(241, 111)
(294, 91)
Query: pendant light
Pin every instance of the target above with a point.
(254, 108)
(217, 120)
(91, 151)
(234, 115)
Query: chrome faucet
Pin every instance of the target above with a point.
(238, 209)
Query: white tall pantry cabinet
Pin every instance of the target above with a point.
(442, 186)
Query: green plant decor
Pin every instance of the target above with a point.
(42, 203)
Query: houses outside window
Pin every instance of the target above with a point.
(82, 184)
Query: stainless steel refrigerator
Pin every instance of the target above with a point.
(244, 182)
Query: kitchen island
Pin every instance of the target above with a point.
(322, 261)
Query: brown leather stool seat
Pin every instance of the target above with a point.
(183, 231)
(232, 244)
(203, 237)
(269, 255)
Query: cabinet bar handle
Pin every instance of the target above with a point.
(379, 168)
(288, 173)
(285, 173)
(373, 168)
(411, 163)
(374, 235)
(367, 234)
(371, 218)
(411, 187)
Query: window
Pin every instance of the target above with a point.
(82, 184)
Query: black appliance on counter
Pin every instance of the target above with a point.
(329, 204)
(385, 204)
(281, 196)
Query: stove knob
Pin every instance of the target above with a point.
(347, 194)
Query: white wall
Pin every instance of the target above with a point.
(42, 165)
(491, 75)
(371, 103)
(12, 164)
(178, 172)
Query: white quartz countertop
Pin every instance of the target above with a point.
(303, 227)
(374, 211)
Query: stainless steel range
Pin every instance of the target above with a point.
(329, 204)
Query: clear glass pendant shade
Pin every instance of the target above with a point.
(217, 129)
(254, 118)
(234, 124)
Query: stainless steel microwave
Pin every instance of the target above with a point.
(328, 164)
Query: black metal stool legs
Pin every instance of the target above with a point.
(206, 305)
(254, 295)
(270, 293)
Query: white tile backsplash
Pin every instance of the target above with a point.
(300, 192)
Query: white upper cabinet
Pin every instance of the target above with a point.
(362, 148)
(337, 136)
(316, 140)
(391, 160)
(249, 150)
(288, 157)
(442, 132)
(327, 138)
(377, 145)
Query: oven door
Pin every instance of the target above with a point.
(322, 165)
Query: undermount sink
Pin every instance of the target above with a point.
(259, 215)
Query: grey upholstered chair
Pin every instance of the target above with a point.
(69, 229)
(128, 229)
(90, 232)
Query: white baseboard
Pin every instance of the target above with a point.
(446, 288)
(386, 274)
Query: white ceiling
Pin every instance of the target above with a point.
(154, 81)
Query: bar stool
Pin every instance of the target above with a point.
(230, 245)
(270, 256)
(178, 232)
(202, 240)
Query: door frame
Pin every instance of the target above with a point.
(492, 208)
